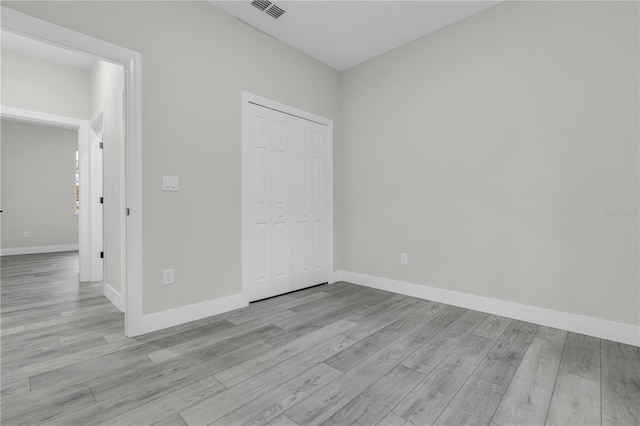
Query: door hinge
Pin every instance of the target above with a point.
(101, 145)
(101, 200)
(128, 211)
(101, 255)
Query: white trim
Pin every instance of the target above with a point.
(114, 296)
(84, 217)
(37, 117)
(604, 329)
(38, 249)
(28, 26)
(184, 314)
(248, 97)
(123, 202)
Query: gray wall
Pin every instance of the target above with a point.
(196, 60)
(38, 185)
(490, 151)
(40, 85)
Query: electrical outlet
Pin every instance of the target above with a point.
(168, 276)
(26, 234)
(404, 258)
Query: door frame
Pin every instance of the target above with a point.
(250, 98)
(131, 159)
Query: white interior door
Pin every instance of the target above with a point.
(285, 202)
(310, 205)
(270, 206)
(97, 220)
(91, 209)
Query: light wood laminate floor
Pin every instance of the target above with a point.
(333, 355)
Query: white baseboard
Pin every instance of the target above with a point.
(604, 329)
(38, 249)
(165, 319)
(114, 296)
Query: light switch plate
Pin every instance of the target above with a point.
(170, 183)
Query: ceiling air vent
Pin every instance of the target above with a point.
(275, 11)
(261, 4)
(269, 8)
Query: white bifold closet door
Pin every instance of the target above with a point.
(288, 208)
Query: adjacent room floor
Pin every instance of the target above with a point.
(340, 354)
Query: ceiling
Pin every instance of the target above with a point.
(49, 52)
(343, 34)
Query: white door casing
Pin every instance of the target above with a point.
(287, 225)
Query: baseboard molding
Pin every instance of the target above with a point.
(37, 249)
(114, 296)
(604, 329)
(165, 319)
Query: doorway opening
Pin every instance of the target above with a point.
(128, 258)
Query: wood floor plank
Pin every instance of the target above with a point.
(428, 400)
(331, 315)
(328, 400)
(268, 307)
(146, 405)
(174, 420)
(618, 414)
(502, 361)
(53, 407)
(370, 345)
(620, 372)
(13, 359)
(207, 338)
(492, 327)
(582, 357)
(528, 396)
(575, 401)
(103, 366)
(551, 334)
(74, 358)
(168, 404)
(372, 405)
(374, 318)
(475, 404)
(244, 392)
(282, 420)
(273, 403)
(438, 348)
(256, 365)
(392, 419)
(15, 388)
(321, 308)
(191, 367)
